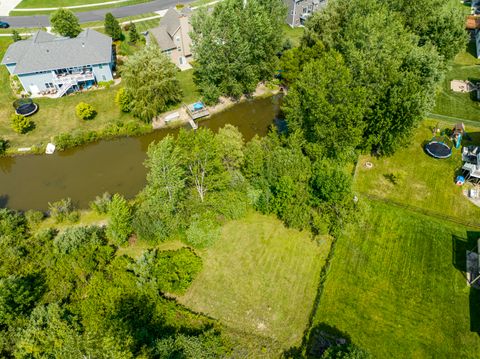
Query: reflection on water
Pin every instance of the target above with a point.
(30, 182)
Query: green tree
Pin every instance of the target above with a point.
(235, 45)
(325, 105)
(112, 27)
(202, 162)
(399, 77)
(65, 23)
(21, 124)
(444, 27)
(230, 144)
(133, 35)
(120, 225)
(16, 36)
(85, 111)
(150, 79)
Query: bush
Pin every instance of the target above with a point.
(85, 111)
(123, 100)
(67, 140)
(33, 217)
(21, 124)
(3, 146)
(100, 204)
(63, 210)
(203, 231)
(106, 84)
(169, 271)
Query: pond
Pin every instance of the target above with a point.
(115, 166)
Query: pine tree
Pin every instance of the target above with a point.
(133, 33)
(112, 27)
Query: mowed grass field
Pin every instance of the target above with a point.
(422, 181)
(260, 280)
(455, 104)
(395, 287)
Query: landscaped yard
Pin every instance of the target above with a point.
(395, 287)
(260, 280)
(421, 181)
(460, 105)
(57, 116)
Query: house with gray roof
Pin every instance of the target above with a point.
(49, 64)
(172, 36)
(300, 10)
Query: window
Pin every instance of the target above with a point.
(305, 10)
(104, 78)
(180, 60)
(100, 67)
(177, 39)
(179, 49)
(49, 85)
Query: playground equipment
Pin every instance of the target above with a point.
(437, 148)
(25, 107)
(457, 133)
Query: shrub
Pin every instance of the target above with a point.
(33, 217)
(3, 146)
(203, 231)
(123, 100)
(63, 210)
(100, 204)
(106, 84)
(21, 124)
(85, 111)
(169, 271)
(67, 140)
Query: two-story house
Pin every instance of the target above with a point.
(300, 10)
(172, 36)
(48, 64)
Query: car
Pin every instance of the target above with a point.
(4, 25)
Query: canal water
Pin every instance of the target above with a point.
(115, 166)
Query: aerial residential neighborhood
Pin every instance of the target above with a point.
(240, 179)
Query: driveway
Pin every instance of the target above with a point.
(95, 15)
(8, 5)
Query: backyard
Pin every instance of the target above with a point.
(395, 287)
(260, 280)
(460, 105)
(411, 177)
(57, 116)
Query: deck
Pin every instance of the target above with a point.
(196, 114)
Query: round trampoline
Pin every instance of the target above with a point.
(25, 107)
(438, 149)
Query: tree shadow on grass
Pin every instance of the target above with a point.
(460, 246)
(321, 337)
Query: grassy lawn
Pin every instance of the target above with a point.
(461, 105)
(260, 280)
(423, 181)
(141, 26)
(293, 34)
(395, 287)
(190, 90)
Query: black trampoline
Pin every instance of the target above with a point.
(25, 107)
(438, 149)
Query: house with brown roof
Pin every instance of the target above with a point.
(172, 36)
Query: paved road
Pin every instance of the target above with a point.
(95, 15)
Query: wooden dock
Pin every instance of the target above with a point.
(196, 114)
(192, 123)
